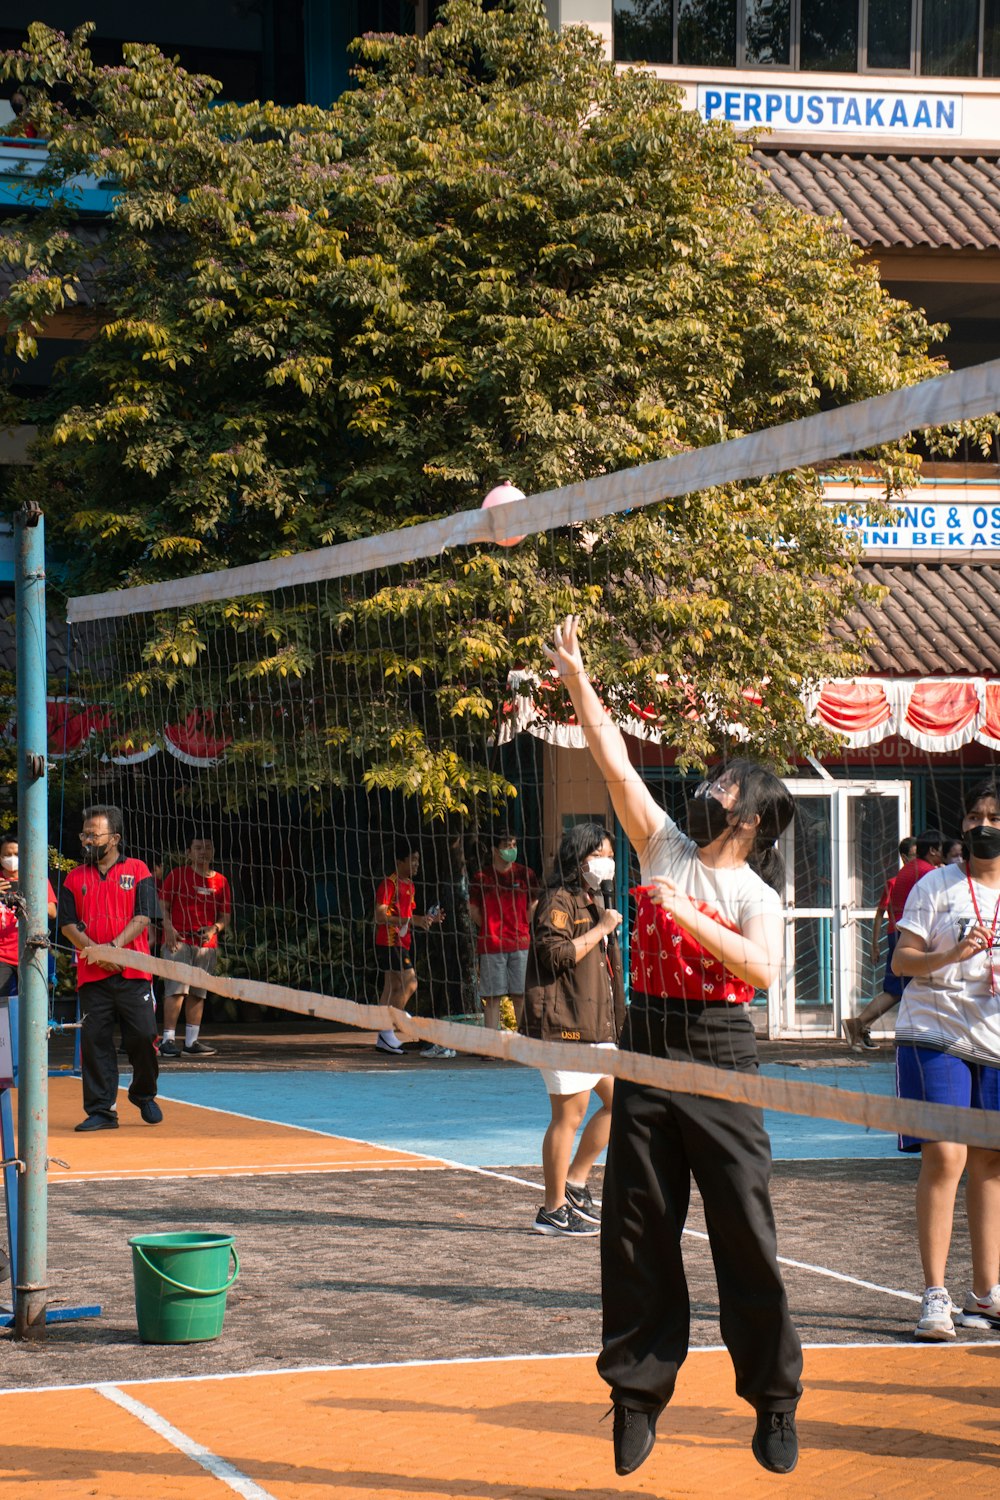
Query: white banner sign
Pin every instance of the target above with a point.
(6, 1049)
(833, 111)
(931, 525)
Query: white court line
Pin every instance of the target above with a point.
(219, 1468)
(925, 1350)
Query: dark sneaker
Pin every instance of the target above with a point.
(198, 1049)
(97, 1122)
(150, 1111)
(634, 1436)
(581, 1201)
(868, 1042)
(563, 1220)
(169, 1049)
(776, 1442)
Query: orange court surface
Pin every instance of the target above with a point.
(397, 1330)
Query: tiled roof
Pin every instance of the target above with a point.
(946, 202)
(937, 620)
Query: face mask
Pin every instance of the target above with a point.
(9, 862)
(508, 855)
(600, 868)
(94, 853)
(983, 842)
(706, 819)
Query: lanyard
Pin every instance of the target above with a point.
(993, 931)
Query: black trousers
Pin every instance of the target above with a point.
(129, 1002)
(659, 1141)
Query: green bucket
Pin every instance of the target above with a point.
(181, 1281)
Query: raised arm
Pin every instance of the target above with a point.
(637, 810)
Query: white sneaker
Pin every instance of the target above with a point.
(435, 1051)
(981, 1312)
(935, 1324)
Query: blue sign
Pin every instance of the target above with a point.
(833, 111)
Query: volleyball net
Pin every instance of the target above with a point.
(312, 716)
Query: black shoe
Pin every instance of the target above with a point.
(776, 1442)
(198, 1049)
(97, 1122)
(634, 1436)
(169, 1049)
(150, 1111)
(581, 1201)
(564, 1220)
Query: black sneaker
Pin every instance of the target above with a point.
(198, 1049)
(98, 1122)
(563, 1220)
(868, 1042)
(150, 1111)
(169, 1049)
(634, 1436)
(776, 1442)
(581, 1201)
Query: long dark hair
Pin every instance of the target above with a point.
(578, 843)
(761, 794)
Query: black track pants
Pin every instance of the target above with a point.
(129, 1002)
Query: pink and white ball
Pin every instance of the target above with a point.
(503, 494)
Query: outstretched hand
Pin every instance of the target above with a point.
(564, 652)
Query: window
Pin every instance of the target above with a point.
(949, 38)
(828, 36)
(890, 26)
(768, 32)
(706, 32)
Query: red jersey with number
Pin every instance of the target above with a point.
(103, 905)
(8, 931)
(194, 902)
(399, 897)
(503, 897)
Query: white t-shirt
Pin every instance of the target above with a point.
(734, 895)
(952, 1009)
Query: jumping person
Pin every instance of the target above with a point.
(110, 898)
(196, 908)
(708, 933)
(948, 1052)
(574, 992)
(395, 919)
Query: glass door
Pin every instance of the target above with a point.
(839, 850)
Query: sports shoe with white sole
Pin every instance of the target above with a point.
(582, 1201)
(936, 1324)
(564, 1220)
(980, 1312)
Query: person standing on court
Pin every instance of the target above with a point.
(948, 1052)
(197, 905)
(574, 993)
(395, 918)
(928, 853)
(110, 898)
(9, 910)
(708, 933)
(501, 901)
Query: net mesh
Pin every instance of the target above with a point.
(312, 715)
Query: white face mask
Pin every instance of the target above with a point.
(9, 862)
(597, 870)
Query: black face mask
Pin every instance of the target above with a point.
(94, 853)
(706, 820)
(983, 842)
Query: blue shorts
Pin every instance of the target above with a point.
(893, 984)
(940, 1078)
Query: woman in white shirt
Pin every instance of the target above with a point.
(948, 1052)
(708, 933)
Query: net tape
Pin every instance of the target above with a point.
(973, 1127)
(961, 395)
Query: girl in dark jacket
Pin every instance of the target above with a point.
(574, 993)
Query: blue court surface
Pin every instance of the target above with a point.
(482, 1115)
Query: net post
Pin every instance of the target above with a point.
(31, 1291)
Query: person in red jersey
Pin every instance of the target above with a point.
(8, 910)
(110, 898)
(501, 901)
(395, 918)
(196, 908)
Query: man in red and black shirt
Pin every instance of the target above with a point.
(112, 899)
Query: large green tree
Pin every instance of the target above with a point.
(494, 256)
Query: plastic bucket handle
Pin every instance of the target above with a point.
(194, 1291)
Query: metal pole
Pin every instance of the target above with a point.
(31, 1291)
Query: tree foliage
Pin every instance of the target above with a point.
(494, 256)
